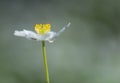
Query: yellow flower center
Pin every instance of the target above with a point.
(42, 28)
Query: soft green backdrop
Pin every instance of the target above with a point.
(87, 52)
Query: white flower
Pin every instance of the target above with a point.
(43, 33)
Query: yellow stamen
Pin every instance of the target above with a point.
(42, 28)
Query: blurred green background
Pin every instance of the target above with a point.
(87, 52)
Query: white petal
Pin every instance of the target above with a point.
(27, 34)
(66, 26)
(48, 37)
(32, 35)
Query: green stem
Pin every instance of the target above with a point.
(45, 61)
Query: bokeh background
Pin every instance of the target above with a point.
(87, 52)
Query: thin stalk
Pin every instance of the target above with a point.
(45, 62)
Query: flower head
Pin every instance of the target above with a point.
(43, 33)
